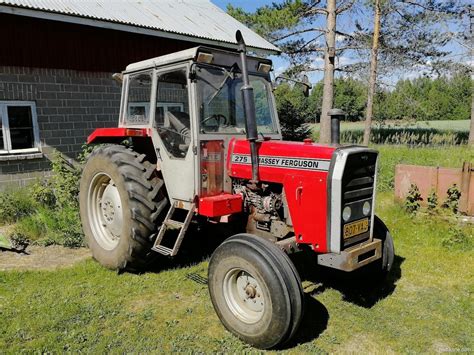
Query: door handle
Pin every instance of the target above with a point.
(299, 192)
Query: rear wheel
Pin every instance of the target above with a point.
(121, 202)
(256, 291)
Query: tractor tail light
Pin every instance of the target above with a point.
(131, 132)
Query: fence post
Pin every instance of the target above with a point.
(465, 181)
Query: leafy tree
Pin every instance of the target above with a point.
(350, 96)
(424, 98)
(293, 111)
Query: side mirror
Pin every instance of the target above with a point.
(118, 77)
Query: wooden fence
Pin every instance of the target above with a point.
(437, 179)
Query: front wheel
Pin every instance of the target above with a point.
(255, 290)
(381, 268)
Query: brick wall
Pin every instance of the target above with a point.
(70, 105)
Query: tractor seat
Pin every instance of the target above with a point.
(179, 122)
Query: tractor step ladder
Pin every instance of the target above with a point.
(170, 224)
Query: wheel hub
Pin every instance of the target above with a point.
(250, 291)
(244, 296)
(111, 207)
(105, 211)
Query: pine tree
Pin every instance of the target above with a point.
(287, 25)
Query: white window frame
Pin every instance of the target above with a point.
(124, 113)
(7, 144)
(166, 105)
(146, 105)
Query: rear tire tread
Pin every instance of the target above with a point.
(146, 199)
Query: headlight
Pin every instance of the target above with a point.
(346, 213)
(366, 208)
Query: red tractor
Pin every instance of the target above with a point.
(204, 142)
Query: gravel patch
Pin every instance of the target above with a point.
(42, 258)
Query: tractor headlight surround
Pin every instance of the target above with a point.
(366, 207)
(346, 213)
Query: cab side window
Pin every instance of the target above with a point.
(138, 102)
(172, 112)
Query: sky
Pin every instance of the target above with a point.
(346, 23)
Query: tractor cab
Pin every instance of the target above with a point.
(191, 102)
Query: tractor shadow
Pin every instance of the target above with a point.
(314, 322)
(197, 246)
(358, 287)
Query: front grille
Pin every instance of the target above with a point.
(357, 188)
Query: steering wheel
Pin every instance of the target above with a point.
(218, 118)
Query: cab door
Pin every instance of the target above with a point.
(172, 132)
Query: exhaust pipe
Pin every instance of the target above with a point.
(249, 107)
(336, 115)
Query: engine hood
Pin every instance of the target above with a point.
(278, 159)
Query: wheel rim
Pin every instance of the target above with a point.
(244, 296)
(105, 211)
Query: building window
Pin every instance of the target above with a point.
(18, 127)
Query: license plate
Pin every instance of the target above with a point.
(356, 228)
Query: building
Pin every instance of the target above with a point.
(58, 57)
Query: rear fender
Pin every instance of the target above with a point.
(140, 139)
(114, 135)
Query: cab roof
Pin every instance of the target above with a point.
(222, 58)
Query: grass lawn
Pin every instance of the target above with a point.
(426, 306)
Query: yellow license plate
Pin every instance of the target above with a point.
(356, 228)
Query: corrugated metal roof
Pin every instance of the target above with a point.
(194, 18)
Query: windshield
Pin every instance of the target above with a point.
(220, 102)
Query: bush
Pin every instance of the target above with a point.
(19, 241)
(42, 193)
(32, 227)
(52, 226)
(68, 228)
(65, 181)
(15, 205)
(432, 200)
(452, 200)
(47, 212)
(412, 200)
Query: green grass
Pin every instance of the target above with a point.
(459, 125)
(426, 307)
